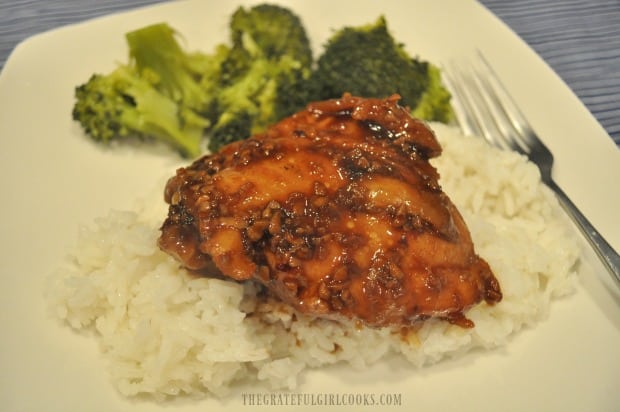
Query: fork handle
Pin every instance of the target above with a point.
(609, 257)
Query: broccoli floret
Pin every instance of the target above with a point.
(231, 126)
(121, 105)
(292, 91)
(236, 91)
(158, 57)
(263, 75)
(157, 95)
(368, 61)
(435, 102)
(271, 31)
(268, 92)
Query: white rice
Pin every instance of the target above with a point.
(164, 332)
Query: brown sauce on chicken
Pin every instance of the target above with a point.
(336, 211)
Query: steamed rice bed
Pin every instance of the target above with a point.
(165, 332)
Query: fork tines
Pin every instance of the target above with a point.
(484, 108)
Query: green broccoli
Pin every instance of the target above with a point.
(367, 61)
(231, 126)
(158, 57)
(271, 31)
(263, 76)
(157, 95)
(266, 93)
(435, 101)
(121, 104)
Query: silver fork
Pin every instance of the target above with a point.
(484, 108)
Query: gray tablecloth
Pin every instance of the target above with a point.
(579, 39)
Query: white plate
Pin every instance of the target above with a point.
(53, 179)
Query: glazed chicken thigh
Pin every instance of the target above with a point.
(336, 211)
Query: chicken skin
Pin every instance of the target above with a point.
(336, 211)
